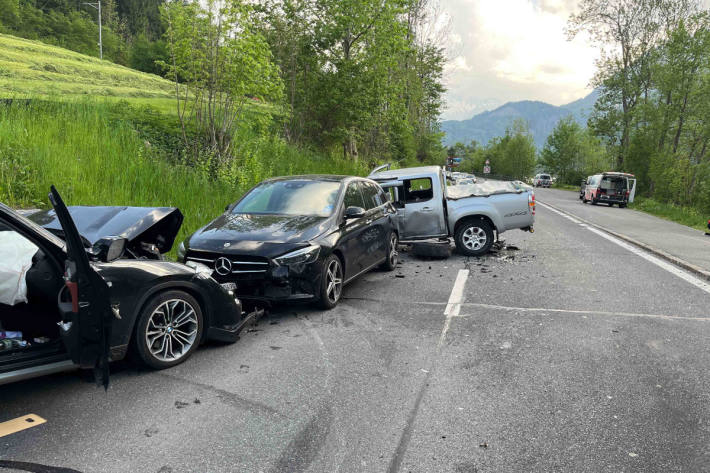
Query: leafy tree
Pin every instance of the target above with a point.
(627, 32)
(513, 155)
(572, 153)
(218, 63)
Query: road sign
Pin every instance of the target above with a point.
(486, 169)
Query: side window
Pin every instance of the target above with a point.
(418, 190)
(396, 196)
(353, 197)
(371, 194)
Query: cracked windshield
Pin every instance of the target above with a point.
(387, 236)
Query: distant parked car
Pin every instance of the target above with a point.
(542, 180)
(611, 188)
(298, 238)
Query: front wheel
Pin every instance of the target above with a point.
(392, 256)
(168, 330)
(474, 237)
(331, 286)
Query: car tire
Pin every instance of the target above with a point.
(329, 295)
(392, 256)
(474, 237)
(622, 206)
(171, 317)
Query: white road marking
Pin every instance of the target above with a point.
(453, 307)
(676, 271)
(560, 213)
(576, 311)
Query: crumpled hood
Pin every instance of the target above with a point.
(152, 225)
(264, 235)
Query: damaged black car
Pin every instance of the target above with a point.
(299, 238)
(85, 300)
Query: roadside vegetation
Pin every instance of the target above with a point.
(116, 154)
(233, 93)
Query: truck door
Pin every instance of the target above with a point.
(424, 213)
(84, 303)
(632, 189)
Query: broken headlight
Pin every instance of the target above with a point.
(200, 269)
(303, 256)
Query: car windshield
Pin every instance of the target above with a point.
(292, 197)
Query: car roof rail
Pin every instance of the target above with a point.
(384, 167)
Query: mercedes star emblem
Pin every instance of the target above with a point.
(223, 266)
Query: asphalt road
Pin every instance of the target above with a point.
(569, 353)
(683, 242)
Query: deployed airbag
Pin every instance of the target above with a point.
(16, 254)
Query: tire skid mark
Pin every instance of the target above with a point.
(34, 467)
(304, 448)
(453, 306)
(230, 398)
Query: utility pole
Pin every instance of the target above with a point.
(97, 5)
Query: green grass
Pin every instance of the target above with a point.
(104, 134)
(34, 69)
(687, 216)
(93, 158)
(566, 187)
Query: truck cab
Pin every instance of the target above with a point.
(428, 209)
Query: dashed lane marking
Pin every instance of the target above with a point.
(21, 423)
(453, 307)
(676, 271)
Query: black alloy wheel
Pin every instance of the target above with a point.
(392, 255)
(331, 283)
(168, 329)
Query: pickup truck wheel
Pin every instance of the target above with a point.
(168, 330)
(474, 237)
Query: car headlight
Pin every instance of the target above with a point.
(181, 252)
(303, 256)
(200, 269)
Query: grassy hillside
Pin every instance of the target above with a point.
(123, 148)
(34, 69)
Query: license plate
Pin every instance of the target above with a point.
(229, 286)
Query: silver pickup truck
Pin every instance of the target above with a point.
(428, 207)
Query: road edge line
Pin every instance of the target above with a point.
(651, 249)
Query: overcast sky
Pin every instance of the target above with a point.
(506, 50)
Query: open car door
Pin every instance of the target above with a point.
(632, 190)
(83, 303)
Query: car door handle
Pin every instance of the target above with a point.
(427, 209)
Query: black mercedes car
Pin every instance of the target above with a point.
(68, 302)
(298, 238)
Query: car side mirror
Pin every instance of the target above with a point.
(354, 212)
(109, 249)
(226, 207)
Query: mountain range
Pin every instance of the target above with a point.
(541, 117)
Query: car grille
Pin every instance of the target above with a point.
(231, 265)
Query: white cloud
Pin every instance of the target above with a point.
(513, 50)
